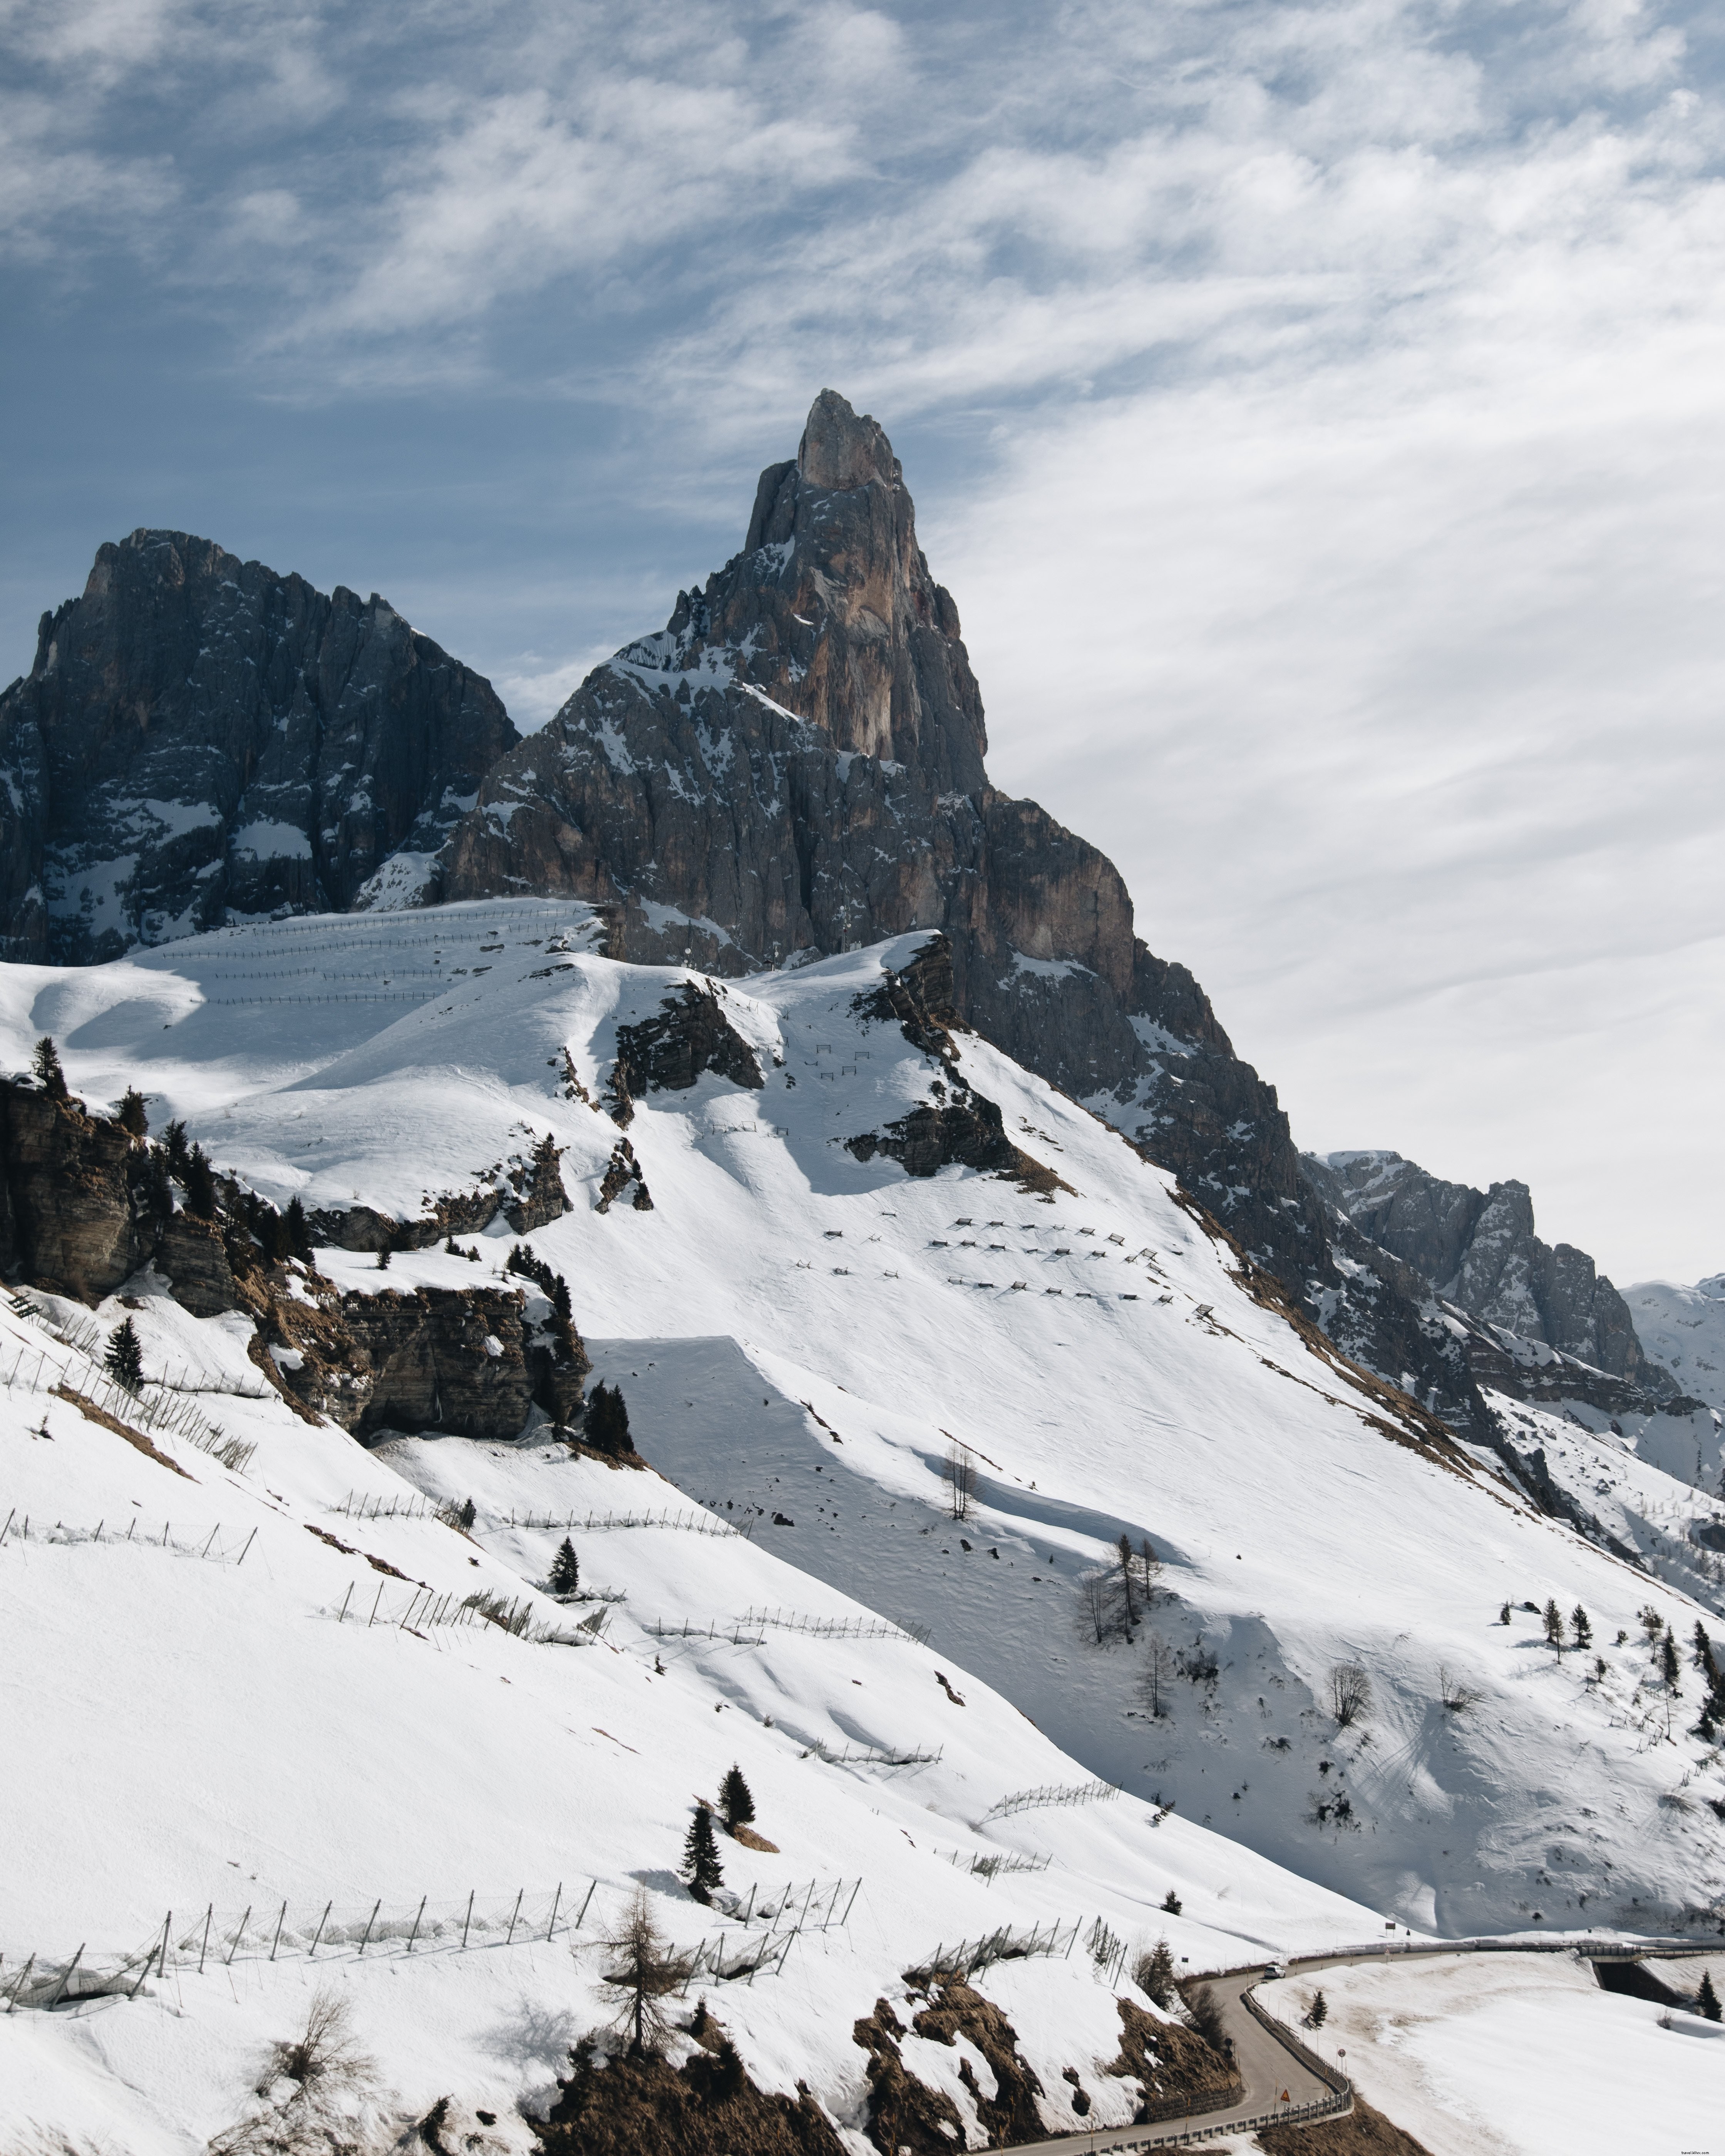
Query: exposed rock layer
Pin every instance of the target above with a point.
(1477, 1251)
(199, 736)
(84, 1207)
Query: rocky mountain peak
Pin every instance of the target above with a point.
(838, 449)
(200, 737)
(830, 609)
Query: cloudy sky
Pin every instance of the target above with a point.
(1317, 411)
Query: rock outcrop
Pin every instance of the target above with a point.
(1477, 1251)
(199, 736)
(85, 1207)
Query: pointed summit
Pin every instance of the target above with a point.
(838, 450)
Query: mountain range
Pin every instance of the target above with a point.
(793, 767)
(701, 1241)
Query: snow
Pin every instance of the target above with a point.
(798, 1332)
(1684, 1328)
(1513, 2054)
(268, 841)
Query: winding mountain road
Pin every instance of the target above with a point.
(1280, 2087)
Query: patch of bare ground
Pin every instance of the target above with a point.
(1010, 2114)
(708, 2106)
(1180, 2072)
(1364, 2132)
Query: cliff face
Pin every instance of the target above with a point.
(199, 734)
(84, 1207)
(1478, 1250)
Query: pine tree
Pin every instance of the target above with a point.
(131, 1117)
(298, 1230)
(200, 1180)
(606, 1428)
(701, 1866)
(1155, 1974)
(174, 1138)
(1706, 1999)
(1668, 1667)
(1554, 1625)
(1171, 1903)
(1583, 1629)
(124, 1358)
(1704, 1660)
(1320, 2012)
(734, 1798)
(46, 1064)
(565, 1570)
(469, 1513)
(1503, 1615)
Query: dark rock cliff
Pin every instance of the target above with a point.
(1476, 1251)
(84, 1207)
(199, 736)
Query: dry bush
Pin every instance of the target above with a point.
(1350, 1693)
(330, 2077)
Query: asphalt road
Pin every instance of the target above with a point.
(1264, 2066)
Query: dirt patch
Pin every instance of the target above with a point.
(750, 1840)
(707, 2107)
(903, 2111)
(92, 1413)
(1010, 2114)
(1364, 2132)
(1180, 2071)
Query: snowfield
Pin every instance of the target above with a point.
(1515, 2055)
(803, 1338)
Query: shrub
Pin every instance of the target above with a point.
(1205, 2015)
(1350, 1693)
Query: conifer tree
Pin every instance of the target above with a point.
(1156, 1973)
(565, 1570)
(735, 1800)
(46, 1064)
(124, 1358)
(1704, 1660)
(646, 1972)
(174, 1138)
(1554, 1625)
(1706, 1999)
(131, 1117)
(701, 1866)
(299, 1231)
(1503, 1615)
(1668, 1664)
(1320, 2012)
(606, 1428)
(1171, 1903)
(1582, 1627)
(200, 1184)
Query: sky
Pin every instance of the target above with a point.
(1317, 413)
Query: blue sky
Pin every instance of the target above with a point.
(1315, 410)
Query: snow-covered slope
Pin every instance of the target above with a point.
(1684, 1328)
(804, 1333)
